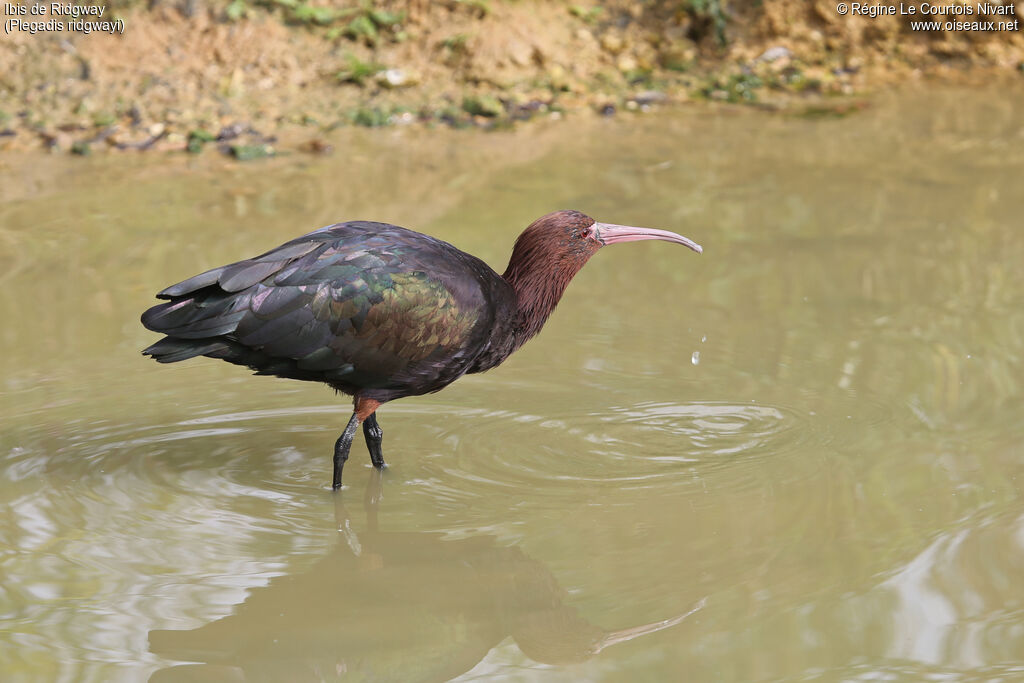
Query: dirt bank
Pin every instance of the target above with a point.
(250, 77)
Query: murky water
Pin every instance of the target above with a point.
(799, 456)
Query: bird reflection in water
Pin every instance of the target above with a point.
(402, 606)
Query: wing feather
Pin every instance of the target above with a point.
(354, 304)
(245, 274)
(194, 283)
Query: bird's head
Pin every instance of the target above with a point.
(566, 239)
(553, 249)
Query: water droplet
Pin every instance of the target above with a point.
(695, 358)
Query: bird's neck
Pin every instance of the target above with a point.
(539, 284)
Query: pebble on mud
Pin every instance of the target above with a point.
(612, 43)
(397, 78)
(316, 146)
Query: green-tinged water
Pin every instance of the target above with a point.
(799, 456)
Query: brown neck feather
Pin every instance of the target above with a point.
(541, 267)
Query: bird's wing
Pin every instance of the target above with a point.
(366, 305)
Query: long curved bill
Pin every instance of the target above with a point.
(609, 233)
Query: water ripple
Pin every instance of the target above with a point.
(649, 445)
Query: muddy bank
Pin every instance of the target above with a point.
(253, 78)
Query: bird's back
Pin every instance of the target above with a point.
(363, 306)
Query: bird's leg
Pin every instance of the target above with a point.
(364, 408)
(374, 436)
(341, 448)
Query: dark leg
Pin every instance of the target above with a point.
(341, 448)
(374, 436)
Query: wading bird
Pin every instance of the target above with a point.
(377, 311)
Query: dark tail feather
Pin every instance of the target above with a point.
(174, 349)
(199, 317)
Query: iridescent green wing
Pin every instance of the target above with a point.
(358, 304)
